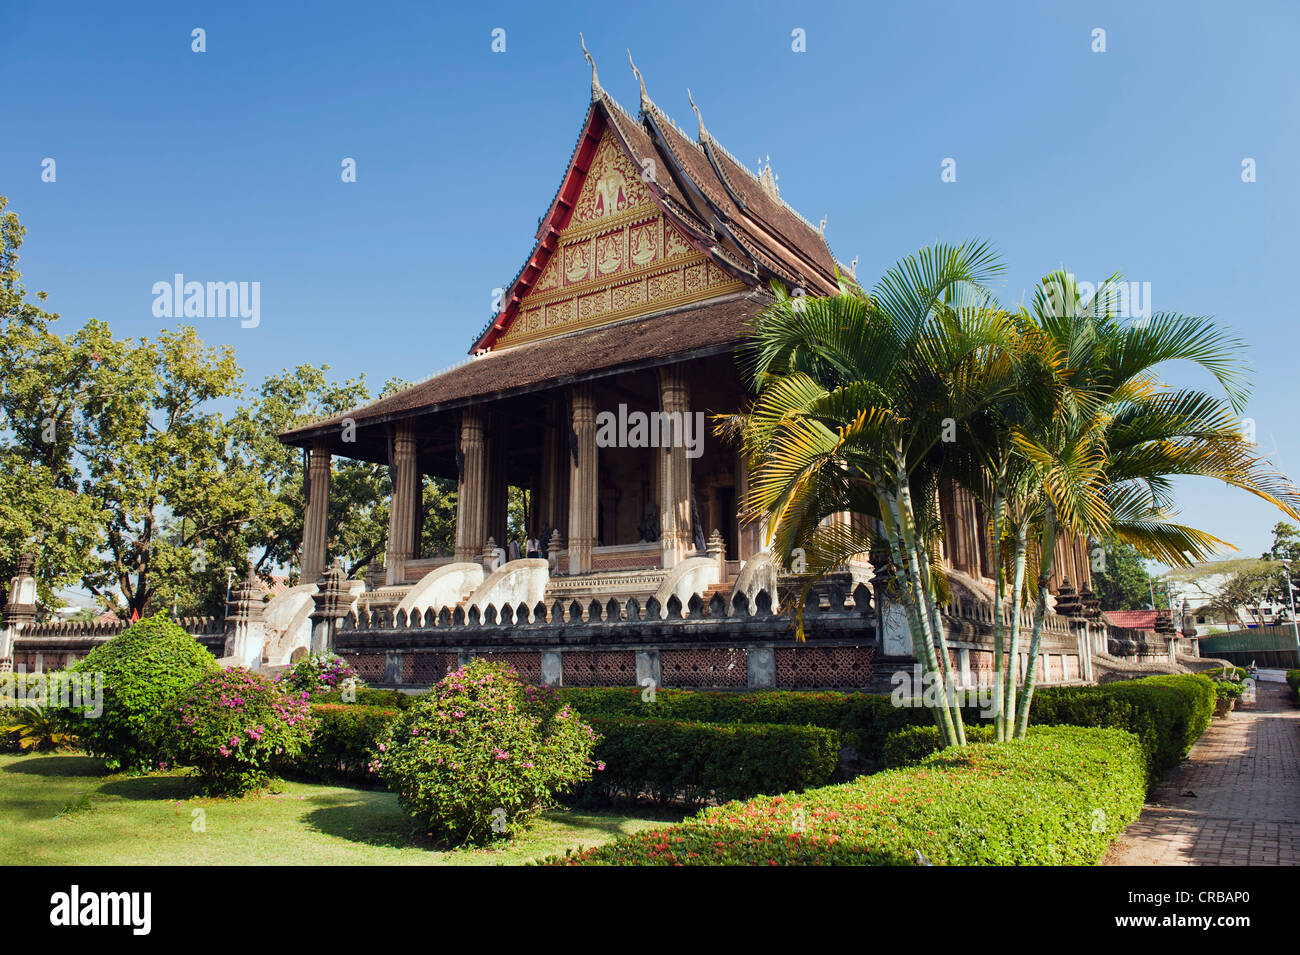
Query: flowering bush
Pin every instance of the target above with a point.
(144, 670)
(236, 728)
(319, 673)
(480, 755)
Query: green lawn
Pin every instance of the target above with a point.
(58, 809)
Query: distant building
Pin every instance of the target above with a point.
(1192, 591)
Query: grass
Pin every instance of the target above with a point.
(61, 809)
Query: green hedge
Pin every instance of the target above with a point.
(1168, 713)
(366, 696)
(1293, 681)
(862, 721)
(670, 760)
(665, 759)
(1057, 798)
(344, 741)
(912, 744)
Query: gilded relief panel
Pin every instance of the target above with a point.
(618, 257)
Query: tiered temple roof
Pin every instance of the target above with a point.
(656, 248)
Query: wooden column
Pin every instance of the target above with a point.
(315, 529)
(751, 537)
(584, 477)
(675, 469)
(471, 501)
(498, 490)
(553, 490)
(402, 507)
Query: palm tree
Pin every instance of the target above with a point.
(1066, 428)
(1101, 456)
(855, 393)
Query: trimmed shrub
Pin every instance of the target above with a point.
(1056, 798)
(367, 696)
(1167, 713)
(144, 670)
(664, 759)
(863, 721)
(912, 744)
(237, 728)
(694, 762)
(345, 741)
(317, 674)
(1293, 681)
(480, 755)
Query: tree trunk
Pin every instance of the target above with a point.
(1007, 708)
(1047, 550)
(999, 632)
(931, 609)
(914, 606)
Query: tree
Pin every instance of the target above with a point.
(40, 510)
(166, 468)
(117, 470)
(1114, 436)
(1064, 426)
(1121, 580)
(854, 394)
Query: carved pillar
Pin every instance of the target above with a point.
(967, 526)
(315, 525)
(471, 501)
(717, 551)
(401, 508)
(584, 478)
(332, 600)
(20, 610)
(674, 468)
(245, 624)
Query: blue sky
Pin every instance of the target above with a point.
(225, 165)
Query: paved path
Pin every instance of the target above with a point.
(1234, 801)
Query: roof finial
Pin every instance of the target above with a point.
(853, 267)
(703, 132)
(645, 97)
(595, 83)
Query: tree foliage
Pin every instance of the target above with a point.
(1053, 415)
(1121, 581)
(120, 470)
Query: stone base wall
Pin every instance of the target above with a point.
(696, 646)
(47, 647)
(811, 666)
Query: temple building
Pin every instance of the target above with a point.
(594, 387)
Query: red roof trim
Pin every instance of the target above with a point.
(556, 218)
(599, 118)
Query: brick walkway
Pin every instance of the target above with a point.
(1234, 801)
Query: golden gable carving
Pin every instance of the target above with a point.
(617, 258)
